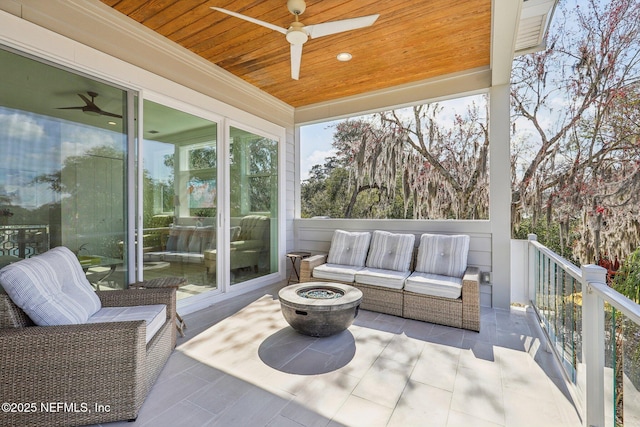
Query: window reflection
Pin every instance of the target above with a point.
(253, 195)
(62, 178)
(180, 198)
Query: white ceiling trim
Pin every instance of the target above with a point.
(504, 25)
(430, 90)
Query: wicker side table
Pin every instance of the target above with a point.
(165, 282)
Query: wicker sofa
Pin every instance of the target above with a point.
(424, 296)
(185, 244)
(102, 372)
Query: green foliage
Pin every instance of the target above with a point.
(627, 280)
(159, 221)
(325, 191)
(548, 234)
(204, 212)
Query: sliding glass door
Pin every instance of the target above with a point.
(253, 205)
(180, 206)
(194, 207)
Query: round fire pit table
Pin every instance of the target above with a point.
(319, 309)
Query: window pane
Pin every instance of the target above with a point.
(62, 178)
(180, 198)
(254, 205)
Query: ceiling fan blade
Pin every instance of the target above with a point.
(335, 27)
(106, 113)
(296, 59)
(253, 20)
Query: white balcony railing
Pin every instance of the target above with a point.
(594, 331)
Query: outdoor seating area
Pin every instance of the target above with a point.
(382, 371)
(431, 283)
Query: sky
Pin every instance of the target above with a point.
(315, 140)
(315, 146)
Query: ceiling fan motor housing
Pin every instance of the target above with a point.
(296, 7)
(296, 34)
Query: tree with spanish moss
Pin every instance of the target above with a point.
(576, 126)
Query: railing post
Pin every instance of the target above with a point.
(593, 345)
(531, 285)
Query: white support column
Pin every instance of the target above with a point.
(593, 345)
(500, 194)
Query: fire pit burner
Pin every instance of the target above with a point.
(320, 309)
(320, 293)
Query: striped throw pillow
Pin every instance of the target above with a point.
(51, 288)
(349, 248)
(442, 254)
(390, 251)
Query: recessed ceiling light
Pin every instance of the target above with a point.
(344, 56)
(112, 123)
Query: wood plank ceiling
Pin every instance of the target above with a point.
(412, 40)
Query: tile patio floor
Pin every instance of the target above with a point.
(242, 365)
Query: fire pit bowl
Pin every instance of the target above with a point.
(320, 309)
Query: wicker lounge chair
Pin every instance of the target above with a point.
(79, 374)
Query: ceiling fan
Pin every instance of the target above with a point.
(297, 34)
(90, 106)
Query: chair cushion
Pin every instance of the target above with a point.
(390, 251)
(341, 273)
(442, 254)
(254, 227)
(349, 248)
(434, 284)
(51, 288)
(234, 233)
(184, 235)
(154, 314)
(383, 278)
(172, 243)
(195, 243)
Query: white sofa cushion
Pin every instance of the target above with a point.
(442, 254)
(383, 278)
(154, 314)
(390, 251)
(341, 273)
(349, 248)
(434, 285)
(51, 288)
